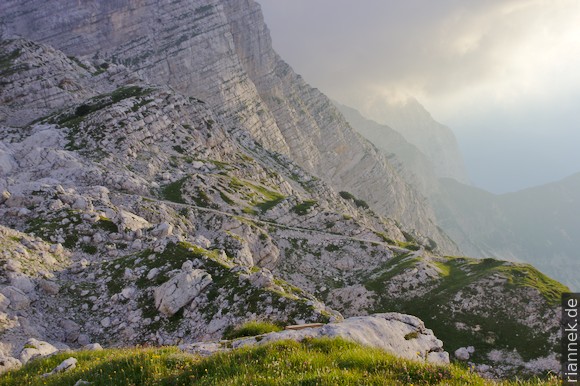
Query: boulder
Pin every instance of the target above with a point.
(162, 230)
(131, 222)
(71, 330)
(49, 287)
(463, 353)
(4, 303)
(22, 282)
(202, 241)
(262, 279)
(8, 363)
(83, 339)
(82, 203)
(13, 265)
(92, 347)
(36, 348)
(18, 299)
(4, 196)
(402, 335)
(66, 365)
(174, 294)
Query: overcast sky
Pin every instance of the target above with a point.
(503, 74)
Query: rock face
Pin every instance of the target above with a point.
(174, 294)
(220, 51)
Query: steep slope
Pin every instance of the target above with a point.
(537, 225)
(411, 163)
(128, 214)
(418, 127)
(220, 52)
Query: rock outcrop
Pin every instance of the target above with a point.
(403, 335)
(174, 294)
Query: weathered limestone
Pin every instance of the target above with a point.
(403, 335)
(36, 348)
(179, 291)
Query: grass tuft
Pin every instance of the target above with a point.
(251, 329)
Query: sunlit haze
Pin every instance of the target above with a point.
(502, 74)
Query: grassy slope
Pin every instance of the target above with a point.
(314, 362)
(457, 274)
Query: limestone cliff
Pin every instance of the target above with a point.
(220, 52)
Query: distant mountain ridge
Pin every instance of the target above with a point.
(416, 124)
(539, 225)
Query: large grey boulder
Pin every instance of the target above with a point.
(402, 335)
(174, 294)
(36, 348)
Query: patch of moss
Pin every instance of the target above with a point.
(107, 225)
(412, 335)
(173, 191)
(251, 329)
(304, 207)
(88, 248)
(129, 92)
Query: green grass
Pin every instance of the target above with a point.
(172, 192)
(526, 275)
(251, 329)
(312, 362)
(392, 268)
(408, 245)
(267, 205)
(259, 198)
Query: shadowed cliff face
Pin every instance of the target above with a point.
(220, 52)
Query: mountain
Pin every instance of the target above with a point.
(414, 166)
(537, 225)
(484, 224)
(132, 211)
(220, 52)
(416, 124)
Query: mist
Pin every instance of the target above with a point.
(501, 74)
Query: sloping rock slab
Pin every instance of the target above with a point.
(399, 334)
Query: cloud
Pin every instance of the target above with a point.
(502, 73)
(442, 52)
